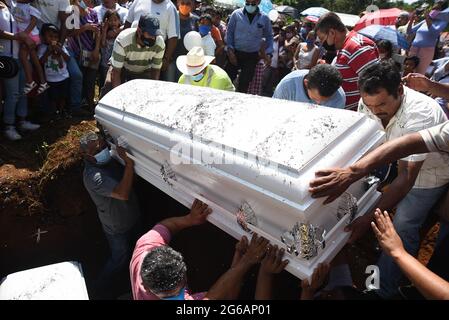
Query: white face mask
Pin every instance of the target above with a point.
(103, 157)
(382, 56)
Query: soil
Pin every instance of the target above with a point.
(41, 188)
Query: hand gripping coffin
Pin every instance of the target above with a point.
(249, 158)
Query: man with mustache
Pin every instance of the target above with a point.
(422, 178)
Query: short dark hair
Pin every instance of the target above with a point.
(207, 17)
(385, 45)
(381, 75)
(110, 13)
(414, 59)
(48, 27)
(325, 78)
(163, 269)
(330, 21)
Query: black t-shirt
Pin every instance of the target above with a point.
(185, 26)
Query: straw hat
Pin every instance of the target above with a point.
(194, 62)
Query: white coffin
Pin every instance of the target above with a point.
(59, 281)
(271, 149)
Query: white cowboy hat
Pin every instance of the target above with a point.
(194, 62)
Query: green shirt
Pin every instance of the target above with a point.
(215, 77)
(128, 54)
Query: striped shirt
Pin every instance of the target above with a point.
(357, 54)
(128, 54)
(417, 112)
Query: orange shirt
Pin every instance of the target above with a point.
(216, 35)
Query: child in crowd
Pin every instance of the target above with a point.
(410, 65)
(54, 59)
(207, 42)
(385, 49)
(110, 29)
(26, 18)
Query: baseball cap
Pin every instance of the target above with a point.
(149, 23)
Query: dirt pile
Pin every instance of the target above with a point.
(41, 172)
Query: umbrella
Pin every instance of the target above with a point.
(229, 3)
(265, 5)
(383, 17)
(377, 32)
(315, 11)
(313, 19)
(348, 20)
(290, 11)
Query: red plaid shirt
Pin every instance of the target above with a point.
(357, 54)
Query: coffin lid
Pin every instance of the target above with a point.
(290, 134)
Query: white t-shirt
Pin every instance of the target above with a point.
(22, 13)
(50, 9)
(417, 112)
(165, 11)
(101, 10)
(53, 71)
(208, 44)
(437, 138)
(5, 25)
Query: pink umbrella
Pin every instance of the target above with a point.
(312, 19)
(384, 17)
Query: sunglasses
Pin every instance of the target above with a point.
(250, 4)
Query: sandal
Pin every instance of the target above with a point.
(29, 87)
(42, 87)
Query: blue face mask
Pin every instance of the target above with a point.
(250, 9)
(310, 42)
(180, 296)
(198, 77)
(82, 4)
(103, 157)
(204, 30)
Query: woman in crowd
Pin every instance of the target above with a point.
(307, 53)
(427, 33)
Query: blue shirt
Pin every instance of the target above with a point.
(244, 36)
(427, 37)
(292, 88)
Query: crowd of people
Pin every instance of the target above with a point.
(59, 63)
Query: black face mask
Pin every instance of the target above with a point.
(147, 42)
(329, 47)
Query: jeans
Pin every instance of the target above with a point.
(89, 78)
(15, 100)
(121, 246)
(444, 232)
(439, 263)
(76, 82)
(411, 213)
